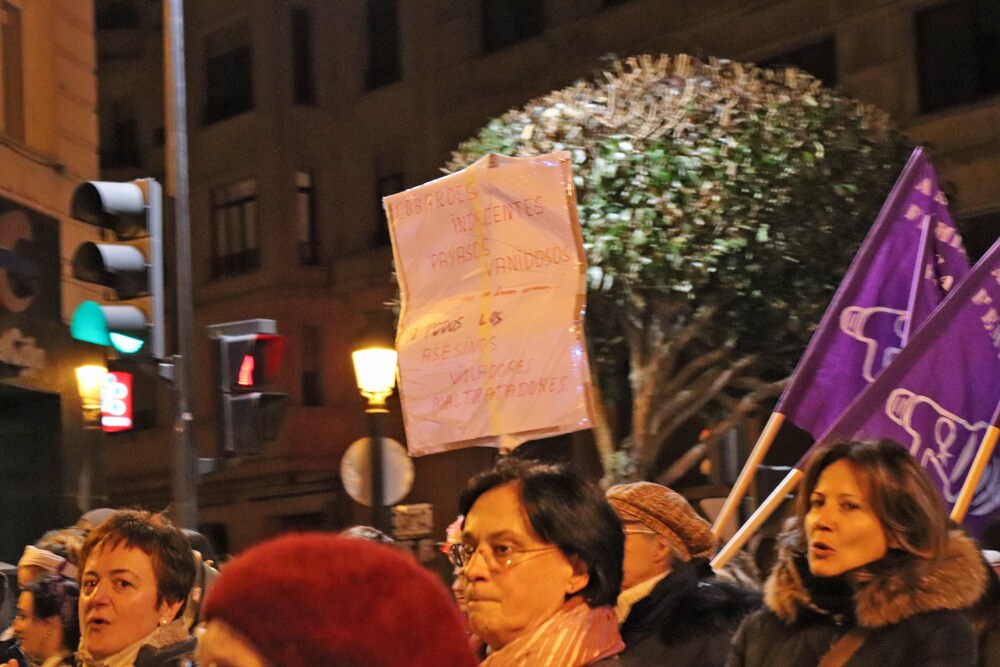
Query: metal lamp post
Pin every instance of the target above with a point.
(89, 380)
(375, 369)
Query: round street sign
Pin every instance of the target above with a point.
(397, 471)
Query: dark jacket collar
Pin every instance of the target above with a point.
(690, 601)
(650, 612)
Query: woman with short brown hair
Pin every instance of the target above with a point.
(136, 569)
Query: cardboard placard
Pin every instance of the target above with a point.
(492, 277)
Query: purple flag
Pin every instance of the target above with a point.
(942, 391)
(944, 260)
(905, 267)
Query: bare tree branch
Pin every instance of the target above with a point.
(679, 468)
(701, 397)
(745, 406)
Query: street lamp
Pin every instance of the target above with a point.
(89, 380)
(375, 369)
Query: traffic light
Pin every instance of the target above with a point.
(246, 356)
(130, 210)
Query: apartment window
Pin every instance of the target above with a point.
(115, 15)
(958, 53)
(507, 22)
(979, 233)
(383, 42)
(312, 368)
(236, 245)
(385, 185)
(303, 82)
(818, 59)
(229, 73)
(120, 145)
(305, 219)
(11, 72)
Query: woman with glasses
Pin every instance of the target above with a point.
(541, 553)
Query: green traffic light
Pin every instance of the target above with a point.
(89, 324)
(110, 326)
(126, 344)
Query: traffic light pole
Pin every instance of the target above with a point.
(154, 222)
(185, 458)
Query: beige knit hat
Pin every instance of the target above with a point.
(666, 512)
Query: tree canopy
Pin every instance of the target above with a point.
(720, 205)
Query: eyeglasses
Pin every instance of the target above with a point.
(639, 531)
(499, 559)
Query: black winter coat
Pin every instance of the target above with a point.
(687, 619)
(180, 654)
(911, 611)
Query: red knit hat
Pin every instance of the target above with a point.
(317, 599)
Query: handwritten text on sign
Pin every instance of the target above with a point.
(491, 270)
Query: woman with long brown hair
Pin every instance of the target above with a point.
(870, 574)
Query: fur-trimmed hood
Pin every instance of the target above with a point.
(887, 595)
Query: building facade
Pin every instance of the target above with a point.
(303, 113)
(48, 144)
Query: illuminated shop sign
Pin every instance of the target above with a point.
(116, 402)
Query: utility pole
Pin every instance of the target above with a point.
(185, 454)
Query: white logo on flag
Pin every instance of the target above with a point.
(955, 440)
(863, 324)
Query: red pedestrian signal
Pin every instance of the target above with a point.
(245, 378)
(247, 356)
(249, 361)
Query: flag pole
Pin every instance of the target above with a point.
(758, 518)
(975, 473)
(756, 457)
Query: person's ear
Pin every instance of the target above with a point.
(168, 610)
(661, 550)
(53, 627)
(892, 540)
(579, 578)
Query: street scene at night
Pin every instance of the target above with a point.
(501, 332)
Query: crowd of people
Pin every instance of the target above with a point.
(549, 569)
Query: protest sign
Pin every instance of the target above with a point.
(491, 271)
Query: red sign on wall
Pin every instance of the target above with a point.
(116, 402)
